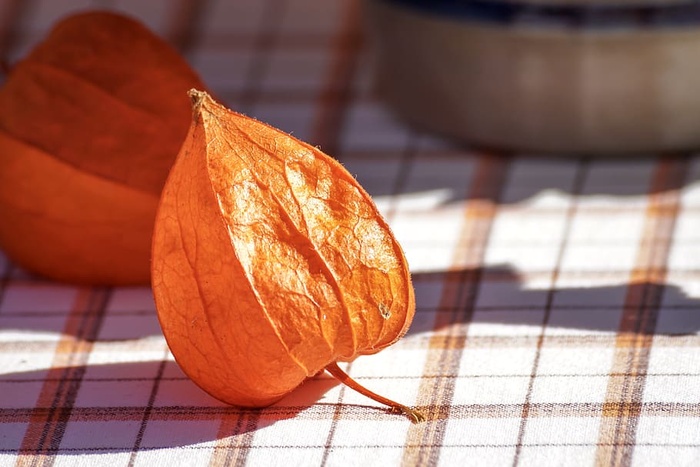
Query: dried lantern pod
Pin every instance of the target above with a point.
(90, 124)
(271, 263)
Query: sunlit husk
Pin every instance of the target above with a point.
(270, 261)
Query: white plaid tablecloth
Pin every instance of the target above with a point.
(558, 310)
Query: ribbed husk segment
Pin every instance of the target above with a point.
(270, 261)
(90, 123)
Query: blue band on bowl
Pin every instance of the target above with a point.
(577, 16)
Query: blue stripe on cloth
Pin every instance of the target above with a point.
(543, 14)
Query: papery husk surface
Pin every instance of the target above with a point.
(270, 261)
(90, 124)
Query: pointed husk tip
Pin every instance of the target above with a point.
(197, 97)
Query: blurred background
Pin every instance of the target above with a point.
(550, 216)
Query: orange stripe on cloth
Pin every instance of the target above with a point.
(623, 399)
(449, 330)
(62, 383)
(334, 96)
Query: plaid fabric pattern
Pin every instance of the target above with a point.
(558, 310)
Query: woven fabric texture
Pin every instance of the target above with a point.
(558, 299)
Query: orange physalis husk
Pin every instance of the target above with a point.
(270, 262)
(90, 123)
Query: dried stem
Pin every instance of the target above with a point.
(413, 415)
